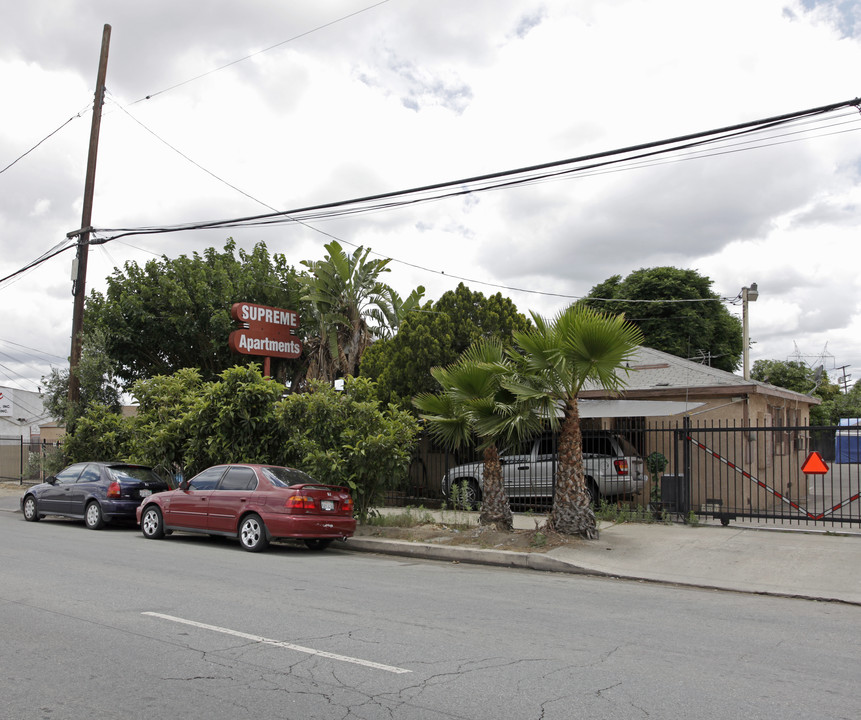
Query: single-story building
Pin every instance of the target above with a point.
(734, 456)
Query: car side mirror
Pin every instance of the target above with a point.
(184, 485)
(51, 480)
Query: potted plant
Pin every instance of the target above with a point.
(656, 463)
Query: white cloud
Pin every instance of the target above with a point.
(407, 94)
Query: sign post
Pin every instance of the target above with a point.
(814, 465)
(267, 332)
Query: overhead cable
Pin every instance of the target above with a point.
(491, 181)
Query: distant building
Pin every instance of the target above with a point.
(22, 412)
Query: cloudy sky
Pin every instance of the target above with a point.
(218, 109)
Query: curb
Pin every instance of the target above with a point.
(474, 556)
(543, 563)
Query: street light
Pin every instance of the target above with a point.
(748, 294)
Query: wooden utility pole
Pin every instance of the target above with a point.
(80, 286)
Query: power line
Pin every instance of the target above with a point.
(499, 180)
(35, 350)
(491, 181)
(260, 52)
(42, 258)
(49, 135)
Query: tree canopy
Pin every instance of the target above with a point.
(344, 292)
(556, 358)
(701, 328)
(435, 336)
(474, 405)
(96, 381)
(175, 313)
(797, 376)
(185, 424)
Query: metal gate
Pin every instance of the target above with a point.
(713, 471)
(757, 474)
(22, 461)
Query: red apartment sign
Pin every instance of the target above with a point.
(268, 331)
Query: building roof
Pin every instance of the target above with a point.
(652, 373)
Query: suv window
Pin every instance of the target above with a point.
(598, 445)
(547, 445)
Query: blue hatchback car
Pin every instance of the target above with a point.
(95, 492)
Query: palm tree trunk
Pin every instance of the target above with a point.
(571, 513)
(495, 509)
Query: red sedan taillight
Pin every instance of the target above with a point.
(114, 490)
(347, 506)
(300, 502)
(621, 466)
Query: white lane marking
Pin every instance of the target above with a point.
(278, 643)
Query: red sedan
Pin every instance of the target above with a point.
(254, 503)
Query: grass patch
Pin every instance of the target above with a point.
(415, 517)
(409, 517)
(622, 513)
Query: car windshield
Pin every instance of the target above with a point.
(130, 472)
(284, 477)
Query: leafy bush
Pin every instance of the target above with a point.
(185, 425)
(99, 434)
(346, 438)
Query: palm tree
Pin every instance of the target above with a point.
(390, 316)
(475, 405)
(344, 291)
(558, 358)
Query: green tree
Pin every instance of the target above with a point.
(345, 292)
(435, 336)
(791, 375)
(558, 358)
(185, 425)
(165, 421)
(797, 376)
(175, 313)
(691, 322)
(475, 405)
(837, 407)
(233, 420)
(347, 438)
(98, 385)
(99, 434)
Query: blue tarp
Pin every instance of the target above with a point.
(847, 441)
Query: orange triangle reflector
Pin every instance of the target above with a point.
(814, 465)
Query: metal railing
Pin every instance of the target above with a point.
(713, 471)
(23, 461)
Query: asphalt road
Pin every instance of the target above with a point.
(110, 625)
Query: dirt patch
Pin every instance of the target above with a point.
(481, 537)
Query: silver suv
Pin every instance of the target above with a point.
(612, 465)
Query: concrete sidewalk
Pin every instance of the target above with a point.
(811, 564)
(816, 565)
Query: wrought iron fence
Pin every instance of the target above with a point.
(720, 471)
(23, 461)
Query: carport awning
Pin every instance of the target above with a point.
(634, 408)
